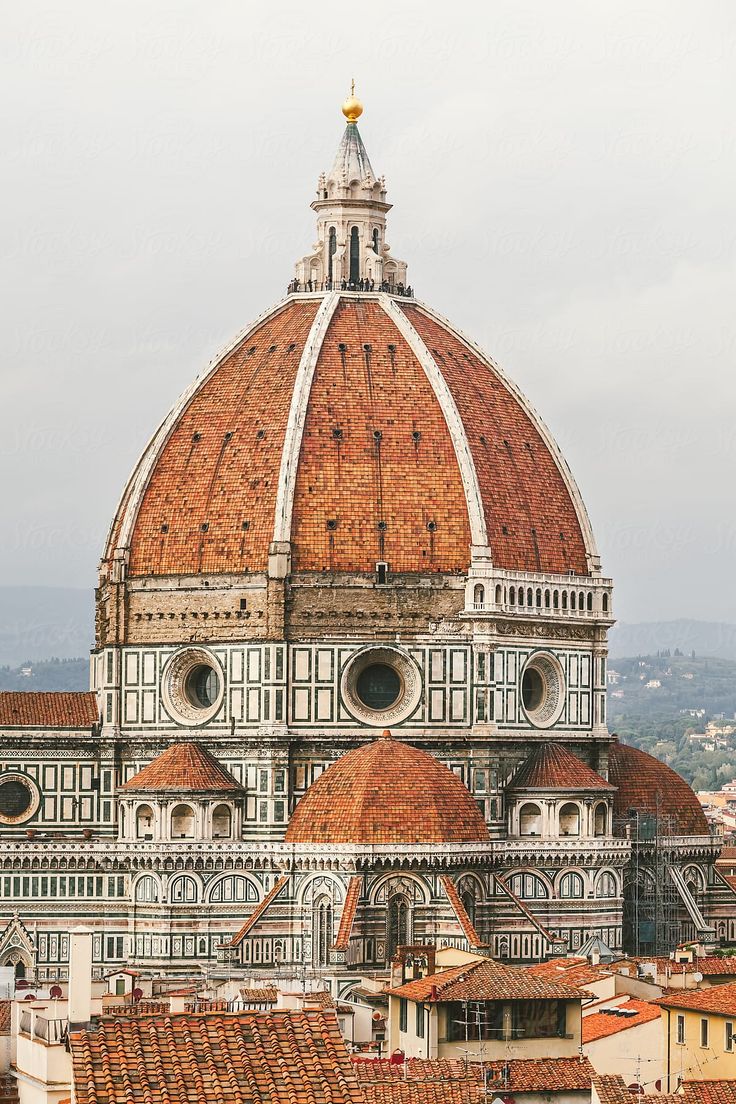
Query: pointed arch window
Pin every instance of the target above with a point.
(322, 921)
(399, 924)
(331, 250)
(354, 256)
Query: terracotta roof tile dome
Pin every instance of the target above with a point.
(647, 785)
(368, 413)
(387, 792)
(553, 767)
(185, 766)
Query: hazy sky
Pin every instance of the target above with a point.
(563, 175)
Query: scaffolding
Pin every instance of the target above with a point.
(653, 915)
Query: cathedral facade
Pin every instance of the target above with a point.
(349, 677)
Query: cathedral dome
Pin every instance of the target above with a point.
(646, 785)
(387, 792)
(352, 427)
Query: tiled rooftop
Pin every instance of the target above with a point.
(39, 709)
(599, 1025)
(376, 448)
(184, 766)
(524, 1074)
(246, 1058)
(348, 912)
(720, 999)
(649, 786)
(571, 971)
(553, 767)
(485, 981)
(387, 792)
(269, 995)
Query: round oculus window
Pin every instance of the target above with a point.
(378, 686)
(381, 685)
(542, 690)
(19, 798)
(192, 686)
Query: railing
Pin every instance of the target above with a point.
(39, 1027)
(294, 287)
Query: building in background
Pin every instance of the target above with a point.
(351, 522)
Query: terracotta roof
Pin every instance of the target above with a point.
(387, 792)
(533, 524)
(348, 912)
(598, 1025)
(720, 999)
(282, 1057)
(525, 1074)
(461, 914)
(612, 1089)
(553, 767)
(140, 1008)
(259, 910)
(323, 998)
(706, 1092)
(484, 980)
(269, 995)
(572, 971)
(40, 709)
(185, 766)
(218, 466)
(649, 786)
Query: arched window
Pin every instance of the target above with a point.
(573, 600)
(222, 826)
(530, 597)
(468, 900)
(570, 819)
(590, 601)
(555, 599)
(398, 923)
(581, 601)
(354, 256)
(321, 931)
(144, 822)
(606, 885)
(605, 603)
(375, 240)
(331, 250)
(512, 596)
(499, 595)
(600, 820)
(479, 596)
(183, 890)
(527, 887)
(571, 885)
(564, 599)
(539, 598)
(233, 888)
(530, 820)
(146, 890)
(182, 822)
(546, 599)
(694, 881)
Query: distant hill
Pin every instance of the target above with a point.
(705, 638)
(53, 674)
(37, 623)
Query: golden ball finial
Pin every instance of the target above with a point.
(352, 109)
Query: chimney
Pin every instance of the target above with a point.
(80, 977)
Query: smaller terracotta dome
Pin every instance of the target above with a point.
(186, 766)
(387, 792)
(553, 767)
(649, 786)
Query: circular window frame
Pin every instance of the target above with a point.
(549, 669)
(410, 693)
(177, 702)
(33, 791)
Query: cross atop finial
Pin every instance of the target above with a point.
(352, 109)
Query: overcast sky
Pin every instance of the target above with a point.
(563, 179)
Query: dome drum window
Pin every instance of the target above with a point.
(193, 687)
(542, 688)
(381, 686)
(19, 798)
